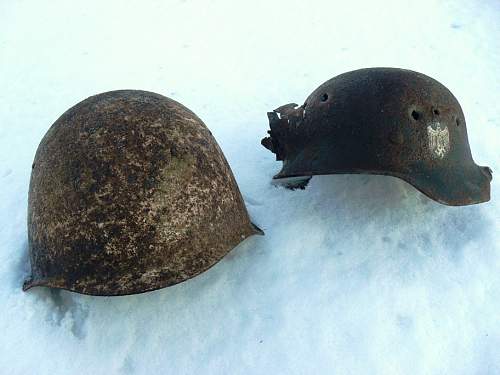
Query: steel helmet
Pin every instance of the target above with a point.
(383, 121)
(130, 192)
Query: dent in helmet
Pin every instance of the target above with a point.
(130, 192)
(383, 121)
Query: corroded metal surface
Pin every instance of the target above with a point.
(130, 192)
(381, 121)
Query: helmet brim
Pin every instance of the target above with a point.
(451, 186)
(107, 290)
(454, 186)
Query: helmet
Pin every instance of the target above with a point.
(130, 192)
(384, 121)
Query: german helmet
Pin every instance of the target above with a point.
(383, 121)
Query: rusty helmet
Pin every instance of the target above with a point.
(130, 192)
(384, 121)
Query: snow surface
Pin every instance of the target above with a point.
(356, 274)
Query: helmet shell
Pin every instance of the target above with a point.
(384, 121)
(130, 192)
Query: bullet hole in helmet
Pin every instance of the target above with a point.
(458, 122)
(415, 115)
(436, 112)
(324, 97)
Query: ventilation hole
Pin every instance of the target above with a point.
(436, 112)
(324, 97)
(458, 122)
(415, 115)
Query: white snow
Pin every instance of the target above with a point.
(356, 274)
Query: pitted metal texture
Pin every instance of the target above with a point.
(130, 192)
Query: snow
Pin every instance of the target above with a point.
(355, 275)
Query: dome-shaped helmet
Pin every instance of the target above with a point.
(384, 121)
(130, 192)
